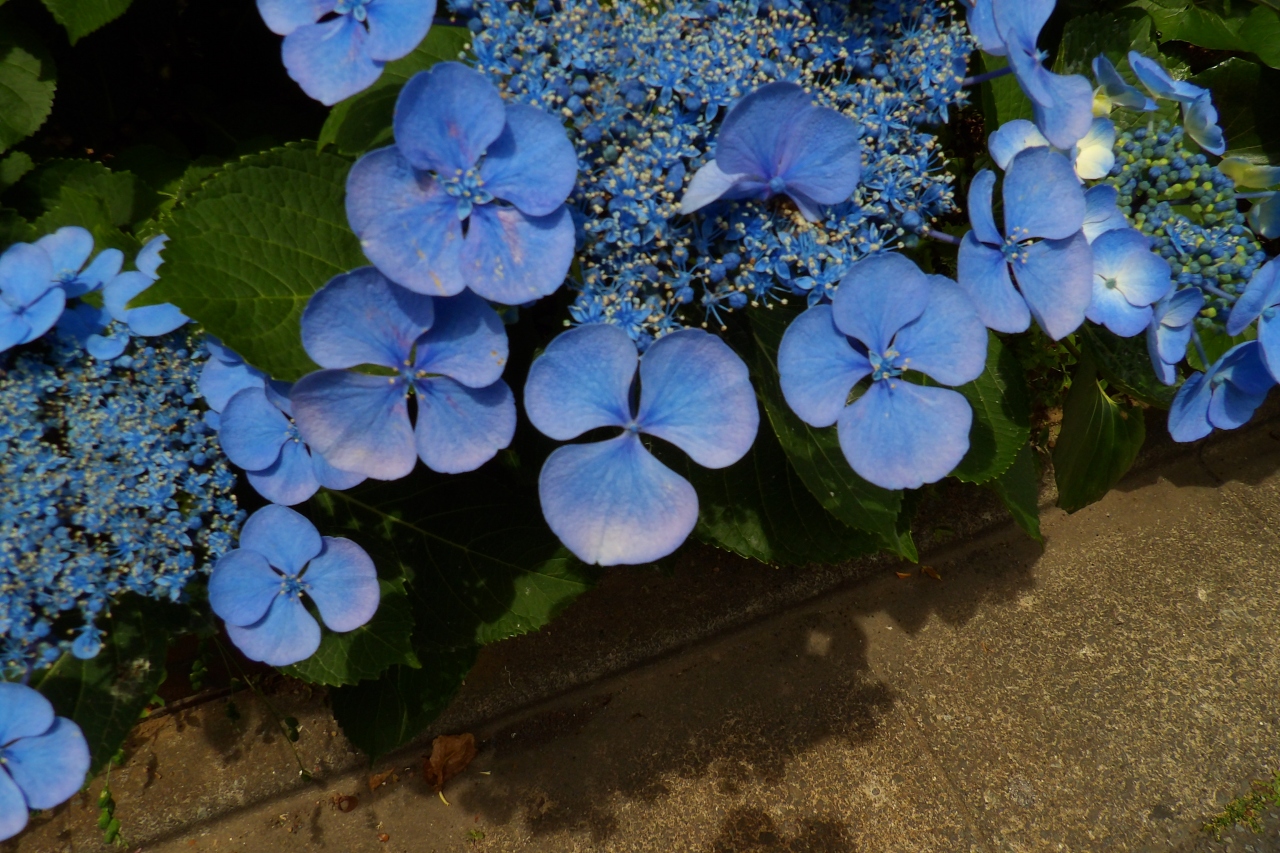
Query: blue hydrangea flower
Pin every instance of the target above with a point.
(450, 353)
(69, 248)
(223, 375)
(1101, 212)
(43, 757)
(335, 48)
(149, 320)
(1128, 278)
(611, 501)
(1093, 156)
(1114, 90)
(471, 195)
(257, 588)
(776, 141)
(888, 317)
(1170, 331)
(30, 302)
(1224, 397)
(1260, 301)
(1199, 116)
(1043, 244)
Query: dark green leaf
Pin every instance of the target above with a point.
(1262, 33)
(1245, 95)
(14, 229)
(1113, 34)
(1100, 438)
(1216, 342)
(81, 17)
(88, 194)
(1019, 488)
(13, 167)
(1002, 99)
(250, 246)
(26, 85)
(1194, 25)
(1126, 365)
(1001, 416)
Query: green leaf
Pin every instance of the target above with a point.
(369, 650)
(1194, 25)
(1216, 343)
(88, 194)
(1001, 416)
(1002, 98)
(1113, 34)
(1099, 440)
(815, 453)
(81, 17)
(14, 229)
(1019, 488)
(250, 246)
(363, 121)
(1126, 364)
(26, 86)
(1244, 93)
(13, 167)
(1262, 33)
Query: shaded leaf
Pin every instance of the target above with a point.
(450, 755)
(1194, 25)
(1099, 440)
(13, 167)
(1019, 488)
(1245, 95)
(1262, 33)
(26, 85)
(1001, 415)
(1126, 364)
(81, 17)
(1002, 99)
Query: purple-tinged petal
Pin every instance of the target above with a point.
(1200, 118)
(460, 428)
(612, 502)
(1066, 119)
(362, 318)
(756, 128)
(1262, 292)
(818, 367)
(358, 422)
(13, 808)
(26, 274)
(1116, 89)
(149, 260)
(288, 481)
(1011, 139)
(708, 184)
(467, 343)
(446, 117)
(1056, 279)
(284, 16)
(330, 60)
(877, 297)
(333, 478)
(242, 587)
(980, 214)
(1042, 197)
(820, 157)
(221, 380)
(50, 767)
(23, 712)
(511, 258)
(982, 23)
(984, 277)
(695, 392)
(532, 164)
(281, 535)
(68, 249)
(1140, 275)
(344, 585)
(948, 341)
(43, 313)
(102, 269)
(287, 634)
(581, 381)
(253, 430)
(396, 26)
(901, 436)
(1101, 213)
(1094, 154)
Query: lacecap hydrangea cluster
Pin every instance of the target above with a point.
(643, 93)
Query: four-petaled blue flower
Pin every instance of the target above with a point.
(1063, 106)
(257, 588)
(69, 248)
(1225, 396)
(1115, 90)
(449, 352)
(887, 318)
(223, 376)
(43, 757)
(611, 501)
(1170, 331)
(1043, 244)
(471, 195)
(30, 301)
(1260, 301)
(776, 141)
(148, 320)
(1127, 279)
(1199, 116)
(335, 48)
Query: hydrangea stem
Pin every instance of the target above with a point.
(940, 236)
(979, 79)
(1204, 356)
(1216, 291)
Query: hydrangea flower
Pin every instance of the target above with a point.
(69, 248)
(449, 353)
(1225, 396)
(1260, 301)
(1127, 279)
(225, 374)
(335, 48)
(257, 588)
(776, 141)
(470, 196)
(1101, 213)
(1170, 331)
(1199, 116)
(611, 501)
(30, 302)
(1093, 156)
(148, 320)
(43, 757)
(1113, 90)
(1043, 244)
(887, 318)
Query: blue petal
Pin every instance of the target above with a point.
(820, 157)
(581, 381)
(1246, 384)
(81, 321)
(901, 436)
(984, 276)
(23, 712)
(106, 348)
(1200, 118)
(1264, 217)
(1157, 80)
(407, 227)
(117, 293)
(708, 184)
(1269, 341)
(358, 422)
(948, 341)
(511, 258)
(150, 321)
(104, 267)
(1189, 413)
(330, 60)
(333, 478)
(1042, 196)
(1066, 119)
(1116, 89)
(460, 428)
(611, 502)
(1056, 279)
(148, 260)
(1164, 371)
(253, 430)
(68, 249)
(468, 342)
(242, 587)
(49, 768)
(1021, 19)
(13, 808)
(1101, 213)
(13, 327)
(1263, 292)
(695, 392)
(287, 634)
(1027, 69)
(756, 128)
(284, 16)
(281, 535)
(1141, 276)
(447, 117)
(290, 480)
(1109, 308)
(344, 585)
(43, 313)
(877, 297)
(1011, 139)
(1180, 309)
(980, 215)
(1171, 342)
(982, 23)
(532, 164)
(396, 26)
(220, 381)
(818, 367)
(26, 274)
(362, 318)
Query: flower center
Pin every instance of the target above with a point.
(1109, 283)
(291, 586)
(777, 185)
(468, 188)
(1015, 245)
(1268, 313)
(354, 8)
(883, 366)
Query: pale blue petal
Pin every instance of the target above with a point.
(695, 392)
(1125, 256)
(1262, 292)
(253, 430)
(1012, 138)
(330, 60)
(43, 313)
(1042, 196)
(1200, 118)
(1164, 371)
(104, 267)
(1158, 82)
(818, 367)
(948, 341)
(446, 117)
(581, 381)
(26, 274)
(344, 585)
(820, 158)
(288, 481)
(460, 428)
(613, 503)
(984, 277)
(532, 164)
(242, 587)
(1101, 213)
(120, 291)
(1171, 341)
(1094, 154)
(13, 808)
(332, 478)
(901, 436)
(358, 422)
(68, 249)
(708, 184)
(150, 321)
(284, 16)
(877, 297)
(1066, 119)
(1109, 308)
(148, 260)
(1116, 89)
(281, 535)
(1182, 308)
(467, 343)
(362, 318)
(511, 258)
(1269, 341)
(106, 348)
(1027, 70)
(50, 767)
(1247, 382)
(1264, 217)
(982, 23)
(980, 214)
(396, 26)
(1056, 279)
(287, 634)
(1189, 413)
(23, 712)
(756, 128)
(220, 381)
(1022, 19)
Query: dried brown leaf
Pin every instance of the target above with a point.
(450, 755)
(377, 780)
(931, 572)
(903, 575)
